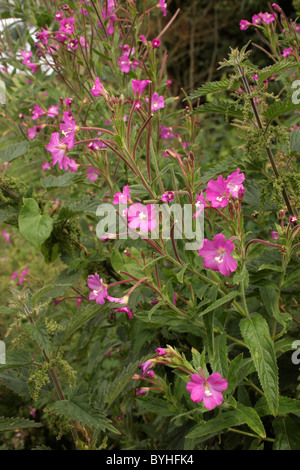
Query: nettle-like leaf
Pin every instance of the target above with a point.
(10, 153)
(256, 334)
(279, 107)
(10, 424)
(213, 87)
(33, 226)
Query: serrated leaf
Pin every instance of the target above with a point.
(218, 424)
(83, 413)
(13, 151)
(83, 315)
(279, 107)
(10, 424)
(286, 405)
(220, 361)
(46, 290)
(256, 335)
(219, 107)
(33, 226)
(219, 302)
(211, 87)
(287, 434)
(252, 419)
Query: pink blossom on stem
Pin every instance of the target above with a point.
(217, 192)
(286, 52)
(163, 6)
(139, 86)
(124, 64)
(166, 132)
(234, 182)
(124, 309)
(200, 204)
(46, 166)
(160, 351)
(22, 274)
(122, 197)
(99, 290)
(6, 236)
(217, 254)
(256, 19)
(142, 217)
(268, 18)
(37, 112)
(68, 129)
(67, 25)
(244, 24)
(156, 43)
(168, 196)
(157, 102)
(98, 88)
(52, 111)
(274, 235)
(207, 390)
(32, 132)
(92, 174)
(58, 150)
(14, 275)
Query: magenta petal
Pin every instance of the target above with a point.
(196, 391)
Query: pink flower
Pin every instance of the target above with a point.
(274, 235)
(139, 86)
(256, 19)
(6, 236)
(14, 275)
(217, 192)
(146, 366)
(143, 39)
(166, 132)
(43, 36)
(234, 182)
(32, 132)
(286, 52)
(160, 351)
(46, 166)
(123, 197)
(68, 129)
(22, 274)
(58, 150)
(167, 196)
(52, 111)
(92, 174)
(207, 390)
(37, 112)
(67, 25)
(156, 43)
(244, 24)
(99, 291)
(157, 102)
(168, 83)
(293, 219)
(142, 217)
(201, 203)
(124, 64)
(59, 16)
(163, 6)
(78, 301)
(276, 7)
(268, 18)
(141, 391)
(217, 253)
(126, 50)
(124, 309)
(98, 88)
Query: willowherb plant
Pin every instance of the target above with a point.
(195, 268)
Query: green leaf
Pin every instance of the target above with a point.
(286, 405)
(10, 424)
(210, 87)
(217, 303)
(252, 419)
(220, 362)
(274, 69)
(13, 151)
(33, 226)
(219, 107)
(216, 425)
(287, 434)
(83, 413)
(51, 182)
(84, 315)
(291, 277)
(55, 289)
(157, 406)
(278, 108)
(38, 333)
(256, 334)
